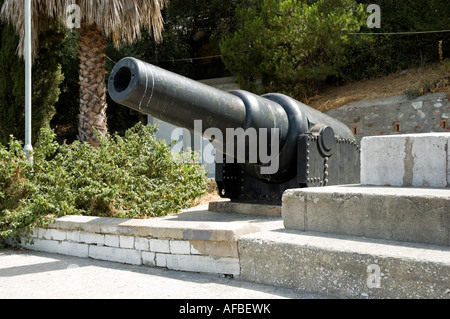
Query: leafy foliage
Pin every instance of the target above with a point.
(133, 176)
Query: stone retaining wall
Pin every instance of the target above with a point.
(396, 115)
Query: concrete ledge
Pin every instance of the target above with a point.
(393, 213)
(185, 226)
(345, 266)
(419, 160)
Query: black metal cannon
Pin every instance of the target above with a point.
(308, 148)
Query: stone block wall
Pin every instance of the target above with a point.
(143, 242)
(396, 115)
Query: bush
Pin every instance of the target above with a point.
(134, 176)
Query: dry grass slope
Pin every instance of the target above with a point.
(431, 78)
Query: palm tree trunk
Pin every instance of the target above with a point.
(92, 117)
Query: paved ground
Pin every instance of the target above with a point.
(30, 275)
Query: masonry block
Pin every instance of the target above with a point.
(214, 248)
(194, 250)
(148, 258)
(91, 238)
(35, 231)
(419, 160)
(112, 240)
(126, 242)
(161, 260)
(127, 256)
(142, 243)
(50, 246)
(181, 247)
(204, 264)
(51, 234)
(159, 245)
(73, 235)
(73, 249)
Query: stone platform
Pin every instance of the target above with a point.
(369, 240)
(257, 249)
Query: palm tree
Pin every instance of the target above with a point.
(121, 20)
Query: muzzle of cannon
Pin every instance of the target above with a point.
(264, 144)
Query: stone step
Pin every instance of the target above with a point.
(394, 213)
(345, 266)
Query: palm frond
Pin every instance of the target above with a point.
(122, 20)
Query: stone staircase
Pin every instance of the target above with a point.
(388, 237)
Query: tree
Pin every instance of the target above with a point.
(122, 20)
(47, 77)
(395, 52)
(292, 46)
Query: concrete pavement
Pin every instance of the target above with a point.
(31, 275)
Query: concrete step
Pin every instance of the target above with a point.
(394, 213)
(345, 266)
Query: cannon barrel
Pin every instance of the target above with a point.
(171, 97)
(309, 143)
(179, 100)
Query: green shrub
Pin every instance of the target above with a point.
(411, 94)
(134, 176)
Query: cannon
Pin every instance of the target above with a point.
(264, 144)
